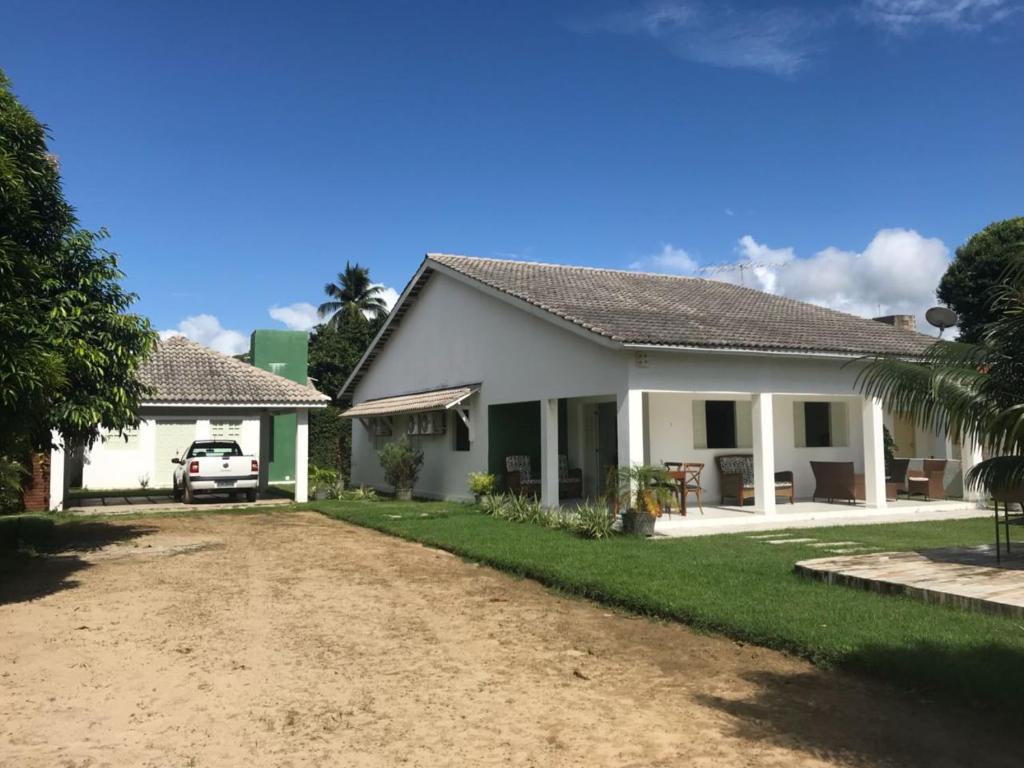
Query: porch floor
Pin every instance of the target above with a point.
(810, 514)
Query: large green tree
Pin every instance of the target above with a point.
(978, 269)
(69, 347)
(353, 293)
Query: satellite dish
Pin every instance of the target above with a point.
(941, 317)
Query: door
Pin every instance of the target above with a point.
(172, 438)
(607, 442)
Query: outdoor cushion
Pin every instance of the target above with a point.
(778, 484)
(520, 464)
(739, 465)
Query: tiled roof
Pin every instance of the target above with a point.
(643, 308)
(420, 401)
(182, 371)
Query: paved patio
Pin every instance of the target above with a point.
(810, 514)
(963, 577)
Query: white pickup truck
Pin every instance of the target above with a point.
(215, 466)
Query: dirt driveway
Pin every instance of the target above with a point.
(291, 640)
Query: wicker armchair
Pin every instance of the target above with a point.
(929, 481)
(836, 480)
(896, 477)
(736, 478)
(570, 481)
(519, 478)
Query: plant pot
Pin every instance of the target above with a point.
(637, 523)
(403, 494)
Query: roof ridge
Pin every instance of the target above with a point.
(611, 270)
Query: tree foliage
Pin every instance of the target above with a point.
(973, 392)
(69, 348)
(976, 271)
(353, 294)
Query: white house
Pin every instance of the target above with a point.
(195, 393)
(485, 358)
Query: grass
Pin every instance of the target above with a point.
(747, 590)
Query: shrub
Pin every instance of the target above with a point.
(593, 521)
(322, 479)
(482, 483)
(12, 475)
(401, 462)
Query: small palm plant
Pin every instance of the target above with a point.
(639, 492)
(972, 392)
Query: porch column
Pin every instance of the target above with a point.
(970, 457)
(874, 453)
(630, 405)
(301, 455)
(549, 452)
(57, 470)
(762, 416)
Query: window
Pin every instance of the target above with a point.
(460, 433)
(820, 424)
(226, 430)
(202, 448)
(720, 418)
(817, 425)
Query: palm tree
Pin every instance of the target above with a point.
(352, 293)
(970, 391)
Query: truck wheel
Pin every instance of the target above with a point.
(176, 492)
(187, 496)
(250, 495)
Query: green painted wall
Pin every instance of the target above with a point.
(514, 429)
(285, 353)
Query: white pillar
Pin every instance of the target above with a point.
(630, 406)
(874, 453)
(762, 416)
(57, 470)
(970, 457)
(301, 455)
(549, 452)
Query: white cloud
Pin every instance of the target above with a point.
(207, 330)
(390, 295)
(776, 40)
(901, 16)
(670, 259)
(300, 316)
(896, 273)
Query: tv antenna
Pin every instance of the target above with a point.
(941, 318)
(742, 267)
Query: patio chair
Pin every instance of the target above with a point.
(570, 481)
(896, 477)
(519, 478)
(929, 481)
(836, 480)
(736, 471)
(1008, 497)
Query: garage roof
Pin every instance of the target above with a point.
(413, 403)
(182, 372)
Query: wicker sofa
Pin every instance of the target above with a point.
(736, 479)
(519, 478)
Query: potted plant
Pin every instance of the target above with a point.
(321, 481)
(639, 492)
(482, 484)
(401, 462)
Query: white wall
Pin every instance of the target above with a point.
(112, 464)
(670, 428)
(456, 334)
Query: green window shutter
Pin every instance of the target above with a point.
(744, 424)
(799, 425)
(839, 423)
(700, 425)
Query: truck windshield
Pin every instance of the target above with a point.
(198, 450)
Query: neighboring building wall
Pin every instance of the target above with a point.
(36, 489)
(456, 334)
(114, 462)
(285, 353)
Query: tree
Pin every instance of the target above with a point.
(69, 350)
(353, 294)
(969, 391)
(976, 271)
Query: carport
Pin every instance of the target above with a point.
(196, 393)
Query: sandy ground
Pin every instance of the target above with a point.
(292, 640)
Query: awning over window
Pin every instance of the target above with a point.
(420, 401)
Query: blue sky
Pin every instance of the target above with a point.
(239, 153)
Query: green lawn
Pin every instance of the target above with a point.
(747, 590)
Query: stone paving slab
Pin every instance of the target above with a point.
(964, 577)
